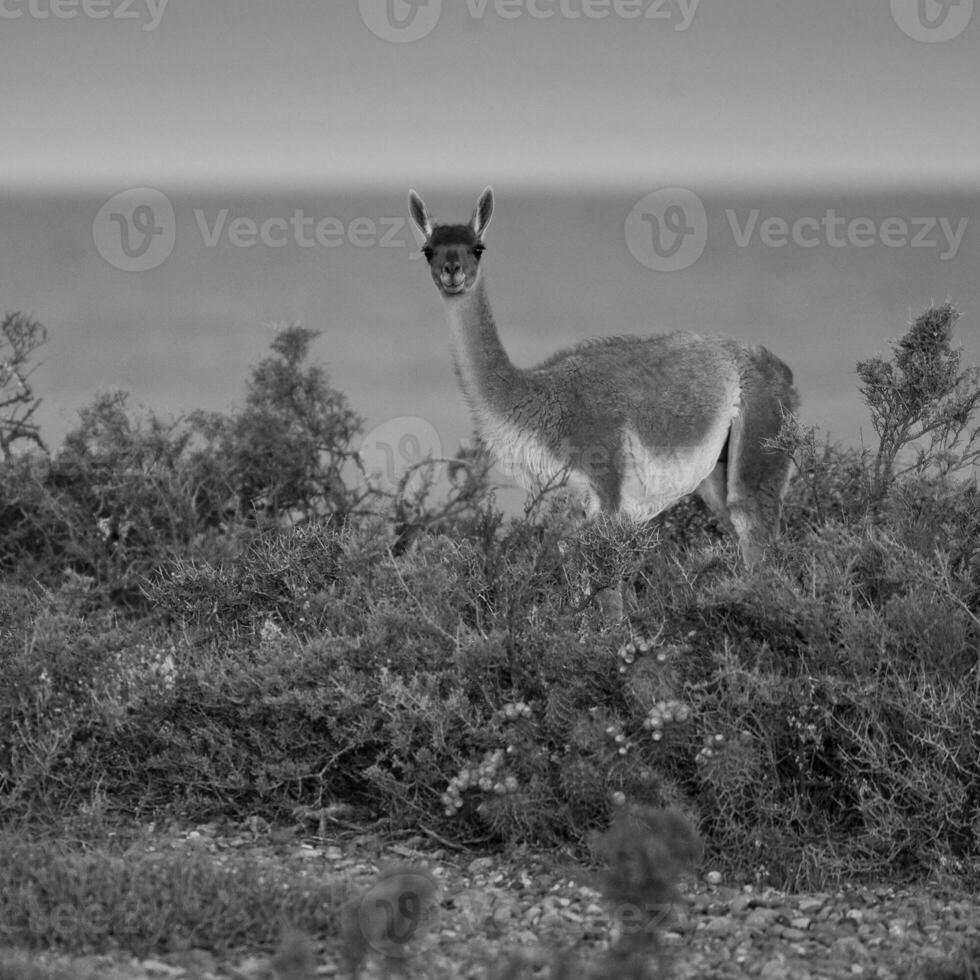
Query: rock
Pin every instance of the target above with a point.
(739, 903)
(533, 912)
(774, 970)
(720, 925)
(848, 948)
(812, 903)
(157, 968)
(760, 919)
(195, 961)
(551, 920)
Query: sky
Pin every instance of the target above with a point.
(547, 93)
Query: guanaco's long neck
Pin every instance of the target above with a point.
(489, 380)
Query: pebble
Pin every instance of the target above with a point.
(811, 903)
(159, 969)
(759, 919)
(196, 961)
(774, 970)
(739, 904)
(719, 926)
(552, 920)
(847, 947)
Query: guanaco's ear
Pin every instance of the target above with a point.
(482, 214)
(416, 208)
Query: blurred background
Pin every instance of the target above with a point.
(178, 177)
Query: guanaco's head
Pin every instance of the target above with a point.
(453, 251)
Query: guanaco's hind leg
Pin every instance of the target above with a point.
(714, 492)
(758, 477)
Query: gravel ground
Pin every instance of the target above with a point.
(493, 905)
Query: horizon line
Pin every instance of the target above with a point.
(519, 185)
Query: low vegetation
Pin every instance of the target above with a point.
(224, 617)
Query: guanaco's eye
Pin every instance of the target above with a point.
(478, 249)
(427, 252)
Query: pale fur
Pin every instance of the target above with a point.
(635, 424)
